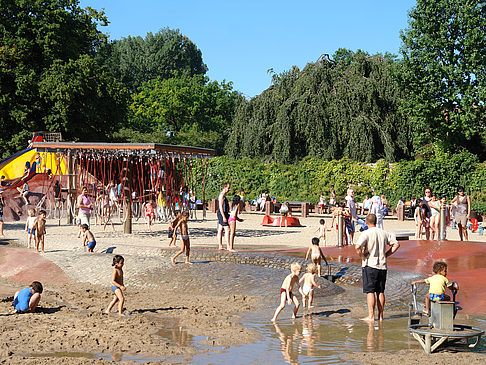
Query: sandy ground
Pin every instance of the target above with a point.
(70, 318)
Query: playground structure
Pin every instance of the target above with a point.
(138, 172)
(275, 222)
(441, 328)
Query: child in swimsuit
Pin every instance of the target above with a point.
(185, 243)
(117, 286)
(286, 291)
(419, 216)
(39, 228)
(322, 231)
(26, 300)
(29, 227)
(309, 280)
(316, 254)
(149, 214)
(88, 239)
(438, 284)
(172, 231)
(233, 217)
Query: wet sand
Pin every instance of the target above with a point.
(207, 299)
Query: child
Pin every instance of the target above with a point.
(286, 291)
(322, 198)
(172, 231)
(322, 231)
(341, 210)
(316, 254)
(438, 284)
(233, 217)
(40, 230)
(149, 214)
(117, 286)
(31, 219)
(419, 216)
(185, 244)
(106, 212)
(88, 239)
(309, 280)
(26, 300)
(24, 192)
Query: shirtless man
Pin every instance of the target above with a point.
(185, 244)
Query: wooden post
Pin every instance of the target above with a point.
(72, 188)
(127, 200)
(340, 223)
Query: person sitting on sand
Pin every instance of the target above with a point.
(438, 284)
(117, 286)
(27, 300)
(286, 291)
(316, 254)
(185, 243)
(88, 239)
(307, 289)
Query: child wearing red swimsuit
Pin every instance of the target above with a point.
(149, 214)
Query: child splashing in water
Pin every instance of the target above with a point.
(307, 290)
(117, 286)
(286, 291)
(316, 254)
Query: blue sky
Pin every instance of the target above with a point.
(241, 40)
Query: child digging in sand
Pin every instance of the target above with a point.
(286, 291)
(117, 286)
(316, 254)
(88, 239)
(438, 284)
(27, 300)
(185, 244)
(39, 228)
(307, 289)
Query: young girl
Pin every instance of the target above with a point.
(434, 205)
(321, 204)
(419, 218)
(29, 227)
(316, 254)
(117, 286)
(149, 214)
(235, 210)
(307, 289)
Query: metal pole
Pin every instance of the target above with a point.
(340, 222)
(442, 222)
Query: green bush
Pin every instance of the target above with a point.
(312, 176)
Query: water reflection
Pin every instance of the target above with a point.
(287, 343)
(375, 339)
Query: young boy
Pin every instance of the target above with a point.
(322, 231)
(185, 244)
(286, 291)
(172, 231)
(40, 230)
(26, 300)
(88, 239)
(344, 212)
(438, 284)
(307, 289)
(31, 219)
(316, 254)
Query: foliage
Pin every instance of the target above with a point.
(444, 74)
(189, 110)
(311, 176)
(331, 109)
(165, 54)
(37, 39)
(478, 207)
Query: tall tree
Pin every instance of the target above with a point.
(182, 110)
(35, 34)
(165, 54)
(444, 57)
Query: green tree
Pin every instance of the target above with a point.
(444, 59)
(165, 54)
(187, 110)
(33, 35)
(347, 107)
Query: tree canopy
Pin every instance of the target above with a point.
(347, 107)
(165, 54)
(444, 73)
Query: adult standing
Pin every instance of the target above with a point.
(223, 215)
(427, 211)
(2, 203)
(84, 208)
(372, 247)
(463, 212)
(377, 209)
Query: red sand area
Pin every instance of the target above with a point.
(466, 263)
